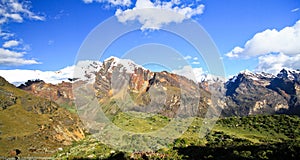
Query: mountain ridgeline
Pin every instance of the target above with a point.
(250, 94)
(122, 85)
(40, 119)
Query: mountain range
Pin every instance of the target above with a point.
(39, 118)
(170, 94)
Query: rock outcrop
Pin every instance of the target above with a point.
(154, 92)
(59, 93)
(122, 85)
(261, 93)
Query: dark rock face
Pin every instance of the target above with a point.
(287, 85)
(250, 93)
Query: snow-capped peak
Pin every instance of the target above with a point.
(253, 76)
(289, 74)
(86, 70)
(246, 72)
(212, 78)
(127, 65)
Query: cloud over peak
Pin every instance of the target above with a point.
(273, 63)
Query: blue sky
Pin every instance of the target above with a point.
(46, 35)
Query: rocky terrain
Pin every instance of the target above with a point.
(261, 93)
(34, 125)
(153, 92)
(61, 93)
(39, 118)
(133, 88)
(245, 94)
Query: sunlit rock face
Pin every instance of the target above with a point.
(261, 93)
(131, 87)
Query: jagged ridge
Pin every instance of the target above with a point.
(118, 80)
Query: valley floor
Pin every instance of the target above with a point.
(252, 137)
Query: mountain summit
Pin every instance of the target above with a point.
(134, 88)
(262, 93)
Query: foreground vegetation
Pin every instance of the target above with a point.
(33, 125)
(252, 137)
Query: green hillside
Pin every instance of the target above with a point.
(39, 127)
(253, 137)
(32, 124)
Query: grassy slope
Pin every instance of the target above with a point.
(235, 137)
(17, 123)
(22, 124)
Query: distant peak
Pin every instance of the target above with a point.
(283, 70)
(246, 72)
(112, 58)
(288, 74)
(127, 64)
(283, 73)
(256, 76)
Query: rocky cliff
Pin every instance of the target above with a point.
(261, 93)
(60, 93)
(122, 85)
(155, 92)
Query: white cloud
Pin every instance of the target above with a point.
(60, 14)
(5, 35)
(275, 49)
(235, 52)
(21, 76)
(17, 61)
(195, 74)
(8, 57)
(112, 2)
(274, 63)
(14, 16)
(7, 53)
(84, 70)
(11, 43)
(87, 1)
(153, 15)
(295, 10)
(270, 41)
(187, 57)
(15, 11)
(50, 42)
